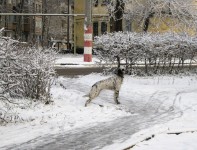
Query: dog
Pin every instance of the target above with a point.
(113, 83)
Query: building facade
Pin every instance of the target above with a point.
(24, 28)
(61, 28)
(67, 32)
(100, 21)
(39, 29)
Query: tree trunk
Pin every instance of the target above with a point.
(44, 26)
(147, 22)
(116, 24)
(19, 18)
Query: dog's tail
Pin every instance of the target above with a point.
(87, 95)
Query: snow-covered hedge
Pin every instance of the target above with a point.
(25, 73)
(149, 53)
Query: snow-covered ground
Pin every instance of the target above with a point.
(68, 112)
(74, 61)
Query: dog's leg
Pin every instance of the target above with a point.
(116, 95)
(93, 93)
(87, 102)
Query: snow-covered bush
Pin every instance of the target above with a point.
(25, 72)
(147, 53)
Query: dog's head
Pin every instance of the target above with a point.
(120, 72)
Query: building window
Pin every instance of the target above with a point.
(9, 1)
(95, 3)
(1, 2)
(26, 19)
(95, 29)
(33, 4)
(105, 2)
(38, 24)
(11, 19)
(14, 3)
(40, 9)
(128, 25)
(103, 27)
(36, 7)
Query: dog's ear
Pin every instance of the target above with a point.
(120, 72)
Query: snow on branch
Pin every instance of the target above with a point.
(179, 14)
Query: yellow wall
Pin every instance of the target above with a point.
(165, 25)
(156, 24)
(78, 23)
(162, 25)
(169, 24)
(79, 8)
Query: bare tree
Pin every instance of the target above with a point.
(175, 14)
(117, 13)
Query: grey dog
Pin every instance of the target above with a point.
(113, 83)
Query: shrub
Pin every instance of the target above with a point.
(25, 73)
(149, 53)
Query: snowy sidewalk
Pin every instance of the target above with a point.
(71, 60)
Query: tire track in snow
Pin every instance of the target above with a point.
(98, 136)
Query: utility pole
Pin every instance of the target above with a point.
(88, 31)
(68, 25)
(19, 24)
(44, 24)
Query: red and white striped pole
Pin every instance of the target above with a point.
(88, 31)
(88, 44)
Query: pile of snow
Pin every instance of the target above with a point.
(71, 60)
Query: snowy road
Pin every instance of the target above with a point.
(153, 109)
(96, 137)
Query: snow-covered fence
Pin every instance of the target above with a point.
(149, 53)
